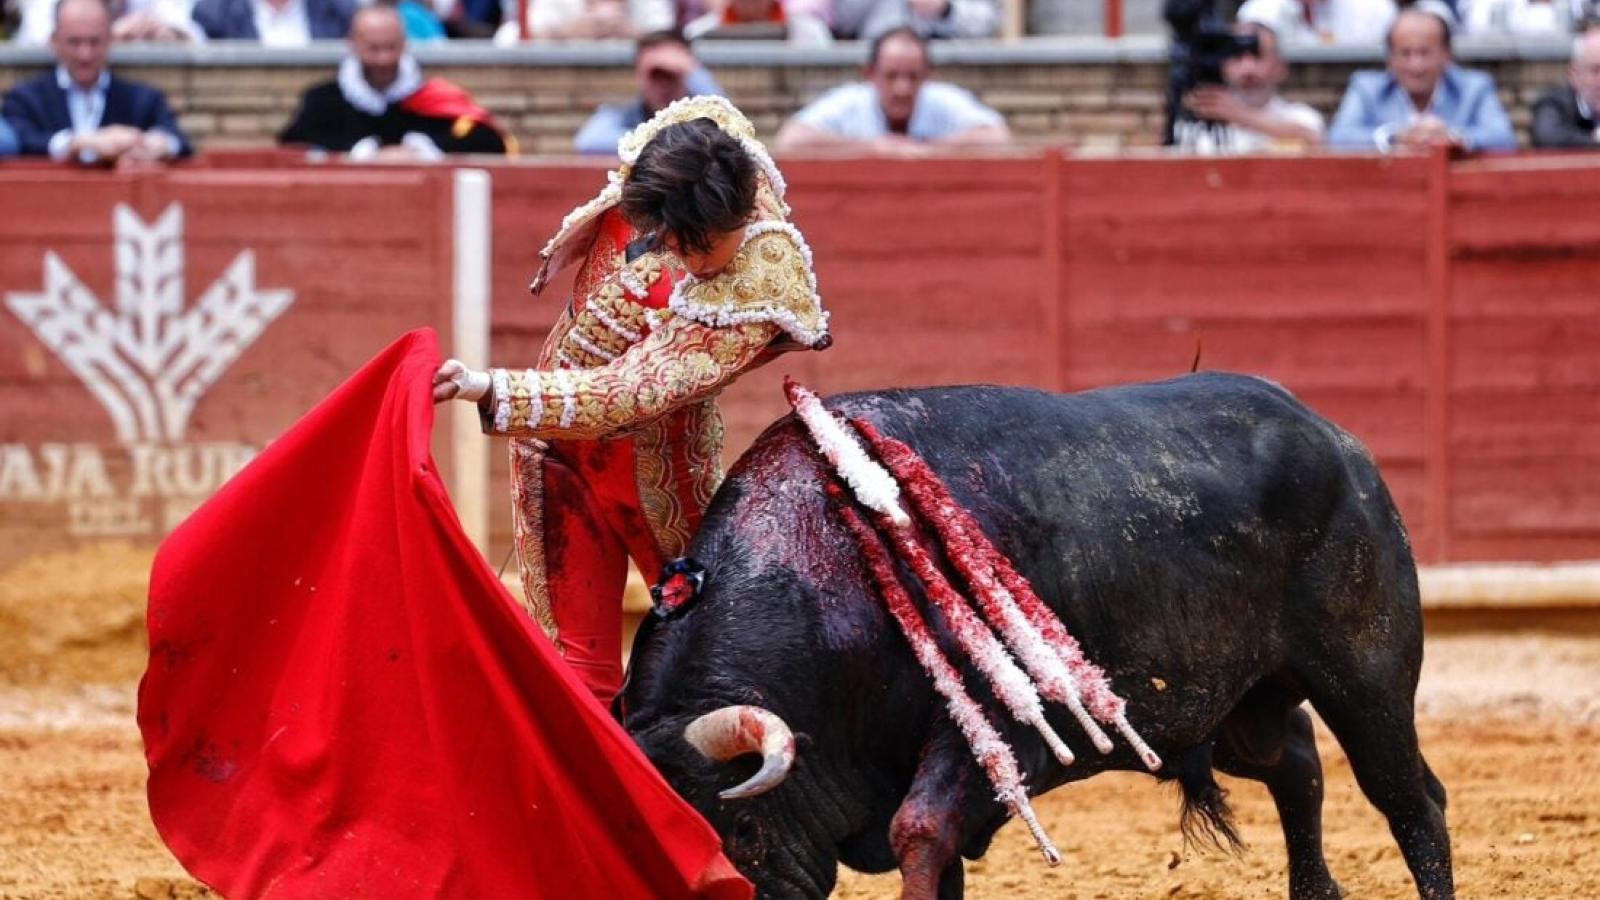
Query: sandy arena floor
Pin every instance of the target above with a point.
(1510, 723)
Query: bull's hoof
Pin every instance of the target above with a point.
(1327, 890)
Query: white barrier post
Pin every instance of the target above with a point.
(469, 339)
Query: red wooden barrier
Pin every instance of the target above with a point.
(1440, 311)
(1380, 290)
(161, 328)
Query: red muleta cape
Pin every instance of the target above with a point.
(343, 701)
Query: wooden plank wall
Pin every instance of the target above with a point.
(1524, 417)
(366, 253)
(1441, 312)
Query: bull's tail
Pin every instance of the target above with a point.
(1206, 816)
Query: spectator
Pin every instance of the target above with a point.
(1362, 22)
(779, 19)
(1247, 115)
(1530, 18)
(666, 70)
(275, 23)
(555, 20)
(1423, 99)
(421, 22)
(80, 112)
(868, 19)
(1565, 117)
(380, 108)
(133, 20)
(897, 111)
(471, 19)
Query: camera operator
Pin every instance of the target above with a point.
(1245, 114)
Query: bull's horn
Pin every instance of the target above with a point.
(736, 730)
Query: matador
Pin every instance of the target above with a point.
(690, 275)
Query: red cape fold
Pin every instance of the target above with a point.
(343, 701)
(440, 99)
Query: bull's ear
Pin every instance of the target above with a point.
(679, 586)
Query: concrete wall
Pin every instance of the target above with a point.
(1066, 91)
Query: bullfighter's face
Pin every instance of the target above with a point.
(709, 263)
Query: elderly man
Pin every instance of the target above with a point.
(1248, 115)
(80, 112)
(380, 107)
(665, 69)
(897, 111)
(1423, 99)
(1566, 116)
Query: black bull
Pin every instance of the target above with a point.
(1221, 551)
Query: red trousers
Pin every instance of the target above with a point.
(576, 533)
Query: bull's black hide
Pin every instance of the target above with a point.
(1223, 552)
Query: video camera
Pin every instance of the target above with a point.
(1201, 43)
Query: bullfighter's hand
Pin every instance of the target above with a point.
(454, 381)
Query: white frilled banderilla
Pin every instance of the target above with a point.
(1052, 663)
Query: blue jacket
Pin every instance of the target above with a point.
(1375, 107)
(600, 134)
(223, 20)
(37, 108)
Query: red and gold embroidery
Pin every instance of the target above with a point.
(678, 363)
(703, 452)
(527, 514)
(653, 477)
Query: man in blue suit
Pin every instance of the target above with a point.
(1423, 99)
(78, 112)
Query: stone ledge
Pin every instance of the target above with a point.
(1067, 51)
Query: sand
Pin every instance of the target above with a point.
(1510, 721)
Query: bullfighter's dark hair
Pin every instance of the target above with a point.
(693, 181)
(905, 31)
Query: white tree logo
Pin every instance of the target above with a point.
(149, 362)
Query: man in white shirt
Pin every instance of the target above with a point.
(1247, 115)
(275, 23)
(79, 112)
(135, 20)
(560, 20)
(897, 111)
(1323, 21)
